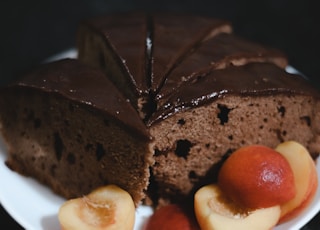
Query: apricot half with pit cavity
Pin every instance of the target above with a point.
(106, 208)
(215, 212)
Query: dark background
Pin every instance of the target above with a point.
(34, 30)
(31, 31)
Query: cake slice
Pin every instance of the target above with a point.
(118, 45)
(204, 121)
(66, 125)
(219, 52)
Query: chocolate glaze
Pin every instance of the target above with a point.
(162, 50)
(217, 53)
(127, 34)
(84, 85)
(174, 36)
(254, 79)
(132, 38)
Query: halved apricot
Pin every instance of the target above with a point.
(108, 207)
(257, 176)
(305, 176)
(215, 212)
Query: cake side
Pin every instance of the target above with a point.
(66, 140)
(190, 145)
(210, 118)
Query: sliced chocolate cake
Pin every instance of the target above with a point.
(154, 104)
(66, 125)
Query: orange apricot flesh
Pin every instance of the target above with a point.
(305, 175)
(171, 217)
(215, 212)
(105, 208)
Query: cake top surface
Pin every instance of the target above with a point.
(126, 35)
(149, 46)
(84, 85)
(182, 61)
(220, 52)
(174, 37)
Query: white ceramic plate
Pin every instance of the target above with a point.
(35, 207)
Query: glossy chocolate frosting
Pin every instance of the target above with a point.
(149, 46)
(174, 36)
(127, 34)
(220, 52)
(84, 85)
(254, 79)
(181, 61)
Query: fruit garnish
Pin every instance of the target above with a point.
(108, 207)
(171, 217)
(305, 178)
(256, 177)
(214, 211)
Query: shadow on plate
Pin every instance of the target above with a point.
(50, 223)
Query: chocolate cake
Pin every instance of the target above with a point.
(155, 104)
(66, 125)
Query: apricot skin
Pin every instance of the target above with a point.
(171, 217)
(257, 176)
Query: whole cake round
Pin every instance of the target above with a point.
(154, 103)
